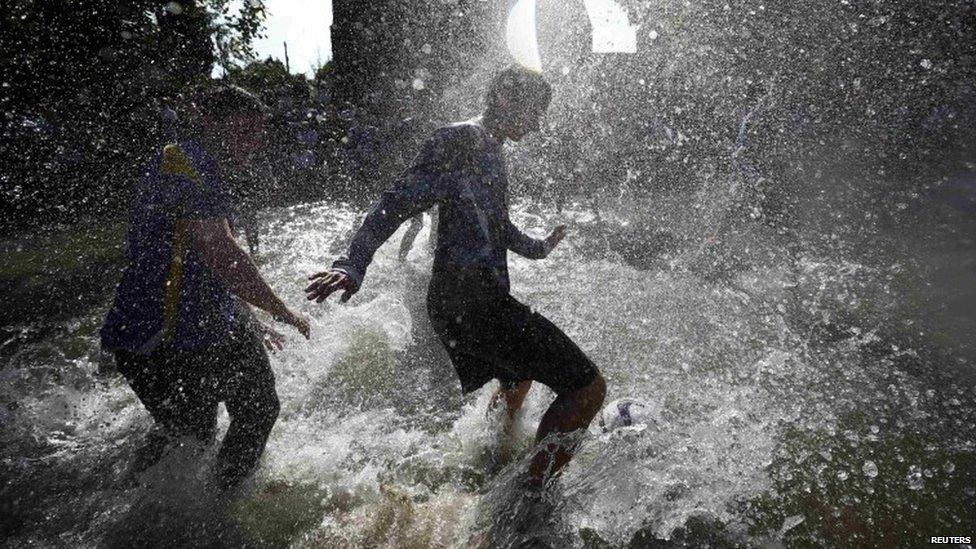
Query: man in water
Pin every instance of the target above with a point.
(486, 331)
(182, 336)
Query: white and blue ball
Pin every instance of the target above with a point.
(628, 413)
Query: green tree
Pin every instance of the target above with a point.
(272, 82)
(81, 85)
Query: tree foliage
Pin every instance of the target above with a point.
(81, 83)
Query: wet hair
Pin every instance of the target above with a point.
(224, 100)
(206, 104)
(518, 84)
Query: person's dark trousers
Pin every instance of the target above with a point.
(181, 390)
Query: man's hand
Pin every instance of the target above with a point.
(212, 238)
(556, 236)
(272, 339)
(328, 282)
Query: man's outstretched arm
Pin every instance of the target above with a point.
(412, 195)
(233, 266)
(532, 248)
(394, 207)
(417, 190)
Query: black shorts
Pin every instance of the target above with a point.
(497, 337)
(181, 388)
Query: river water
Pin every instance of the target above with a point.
(784, 413)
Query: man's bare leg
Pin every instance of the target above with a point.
(512, 399)
(568, 413)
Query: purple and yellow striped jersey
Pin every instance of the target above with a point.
(167, 296)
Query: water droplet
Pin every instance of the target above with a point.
(790, 522)
(914, 478)
(870, 469)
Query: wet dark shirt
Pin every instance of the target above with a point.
(167, 296)
(460, 169)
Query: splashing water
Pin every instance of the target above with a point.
(768, 430)
(801, 327)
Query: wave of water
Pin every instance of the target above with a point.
(779, 419)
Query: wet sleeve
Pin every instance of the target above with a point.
(422, 185)
(193, 197)
(416, 224)
(523, 244)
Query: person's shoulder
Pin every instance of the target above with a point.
(468, 129)
(185, 158)
(467, 135)
(196, 151)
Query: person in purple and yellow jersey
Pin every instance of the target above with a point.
(180, 326)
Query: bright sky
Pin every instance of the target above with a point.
(304, 24)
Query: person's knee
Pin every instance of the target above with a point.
(259, 397)
(595, 392)
(269, 410)
(263, 412)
